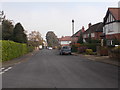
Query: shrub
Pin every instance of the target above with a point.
(104, 51)
(82, 49)
(92, 46)
(95, 41)
(0, 50)
(115, 53)
(12, 50)
(116, 50)
(74, 48)
(89, 51)
(30, 48)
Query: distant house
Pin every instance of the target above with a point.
(93, 31)
(65, 40)
(76, 35)
(111, 23)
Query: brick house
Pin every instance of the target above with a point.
(65, 40)
(75, 36)
(94, 31)
(111, 23)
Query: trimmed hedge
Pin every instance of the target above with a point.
(12, 50)
(30, 48)
(0, 51)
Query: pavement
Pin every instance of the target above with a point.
(48, 69)
(102, 59)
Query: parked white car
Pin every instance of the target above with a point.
(50, 48)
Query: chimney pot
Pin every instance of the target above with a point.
(89, 25)
(83, 29)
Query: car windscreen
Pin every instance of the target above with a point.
(66, 48)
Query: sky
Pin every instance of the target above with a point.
(56, 16)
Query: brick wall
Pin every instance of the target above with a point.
(113, 36)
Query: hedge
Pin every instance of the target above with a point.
(0, 51)
(92, 46)
(74, 48)
(82, 49)
(12, 50)
(115, 53)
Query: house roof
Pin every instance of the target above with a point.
(98, 27)
(77, 34)
(65, 38)
(115, 12)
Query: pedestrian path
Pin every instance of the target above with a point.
(103, 59)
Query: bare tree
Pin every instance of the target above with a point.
(35, 39)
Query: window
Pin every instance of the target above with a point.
(84, 35)
(104, 29)
(110, 28)
(92, 34)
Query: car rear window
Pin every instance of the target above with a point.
(66, 47)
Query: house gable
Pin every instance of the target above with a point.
(98, 27)
(112, 23)
(112, 16)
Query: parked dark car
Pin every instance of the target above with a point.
(65, 50)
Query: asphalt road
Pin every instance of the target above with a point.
(48, 69)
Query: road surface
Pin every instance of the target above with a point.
(48, 69)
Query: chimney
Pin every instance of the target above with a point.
(89, 25)
(83, 29)
(72, 27)
(62, 37)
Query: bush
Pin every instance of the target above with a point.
(116, 50)
(30, 48)
(92, 46)
(12, 50)
(115, 53)
(0, 51)
(104, 51)
(82, 49)
(95, 41)
(74, 48)
(89, 51)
